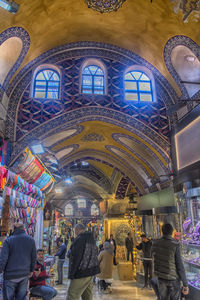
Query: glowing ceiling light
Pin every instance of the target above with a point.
(37, 148)
(58, 191)
(68, 180)
(84, 163)
(9, 6)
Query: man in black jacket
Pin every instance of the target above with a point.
(168, 266)
(83, 265)
(129, 246)
(113, 243)
(17, 263)
(145, 246)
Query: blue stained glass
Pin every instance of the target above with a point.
(46, 85)
(138, 87)
(93, 81)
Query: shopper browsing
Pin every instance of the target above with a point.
(145, 246)
(129, 246)
(83, 265)
(61, 259)
(38, 286)
(17, 263)
(168, 266)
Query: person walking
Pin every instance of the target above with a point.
(83, 264)
(106, 264)
(129, 246)
(113, 243)
(61, 259)
(168, 266)
(17, 261)
(38, 286)
(145, 246)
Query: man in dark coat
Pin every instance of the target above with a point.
(129, 246)
(83, 264)
(61, 259)
(17, 263)
(113, 243)
(168, 266)
(145, 246)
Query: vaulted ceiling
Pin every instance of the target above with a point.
(139, 25)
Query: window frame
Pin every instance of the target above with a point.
(98, 63)
(148, 73)
(39, 69)
(72, 209)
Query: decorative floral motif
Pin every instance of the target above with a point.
(93, 137)
(105, 5)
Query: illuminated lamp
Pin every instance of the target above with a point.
(68, 180)
(37, 148)
(58, 191)
(9, 6)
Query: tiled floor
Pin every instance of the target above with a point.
(122, 290)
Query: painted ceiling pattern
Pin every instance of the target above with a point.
(103, 6)
(189, 9)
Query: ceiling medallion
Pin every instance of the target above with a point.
(105, 5)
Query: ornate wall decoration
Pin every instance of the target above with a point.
(103, 6)
(122, 188)
(121, 233)
(189, 8)
(93, 137)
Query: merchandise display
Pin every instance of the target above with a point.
(189, 206)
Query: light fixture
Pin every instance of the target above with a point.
(9, 6)
(37, 148)
(84, 163)
(68, 180)
(58, 191)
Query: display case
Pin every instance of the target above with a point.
(189, 207)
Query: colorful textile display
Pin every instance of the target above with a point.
(20, 200)
(3, 177)
(5, 152)
(30, 169)
(17, 183)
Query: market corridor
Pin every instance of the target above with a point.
(122, 290)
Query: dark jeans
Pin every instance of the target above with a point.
(15, 290)
(154, 284)
(60, 270)
(147, 272)
(169, 289)
(128, 254)
(45, 291)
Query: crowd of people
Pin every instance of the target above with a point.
(24, 268)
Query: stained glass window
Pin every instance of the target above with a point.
(46, 85)
(138, 87)
(93, 80)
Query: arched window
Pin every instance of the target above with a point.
(46, 84)
(93, 80)
(69, 210)
(138, 86)
(94, 210)
(81, 203)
